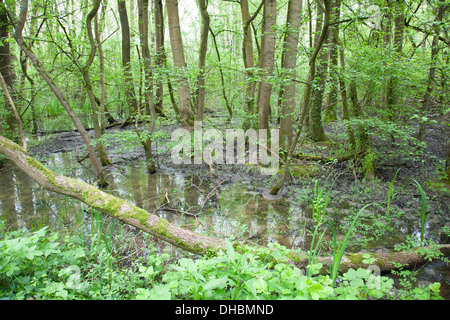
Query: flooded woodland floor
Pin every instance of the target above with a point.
(231, 201)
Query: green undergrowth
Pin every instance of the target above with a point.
(94, 265)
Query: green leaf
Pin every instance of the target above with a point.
(216, 283)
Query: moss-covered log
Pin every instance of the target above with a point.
(109, 204)
(385, 260)
(329, 159)
(182, 238)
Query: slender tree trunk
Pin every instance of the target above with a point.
(55, 89)
(105, 114)
(126, 59)
(249, 60)
(222, 78)
(387, 35)
(202, 4)
(288, 64)
(432, 72)
(343, 88)
(34, 31)
(363, 138)
(332, 97)
(159, 48)
(267, 62)
(315, 116)
(16, 114)
(143, 6)
(184, 95)
(306, 100)
(85, 71)
(399, 26)
(24, 67)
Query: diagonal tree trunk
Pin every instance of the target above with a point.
(109, 204)
(182, 238)
(55, 89)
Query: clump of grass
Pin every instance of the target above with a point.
(391, 188)
(339, 249)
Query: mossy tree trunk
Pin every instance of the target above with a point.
(182, 238)
(8, 122)
(108, 204)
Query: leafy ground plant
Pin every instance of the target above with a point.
(40, 265)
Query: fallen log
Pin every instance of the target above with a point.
(109, 204)
(384, 260)
(328, 159)
(182, 238)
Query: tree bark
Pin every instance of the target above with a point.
(201, 82)
(315, 116)
(148, 90)
(432, 72)
(332, 98)
(98, 28)
(159, 48)
(306, 100)
(249, 60)
(11, 102)
(126, 59)
(267, 63)
(288, 64)
(222, 78)
(8, 127)
(342, 86)
(184, 95)
(385, 260)
(88, 84)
